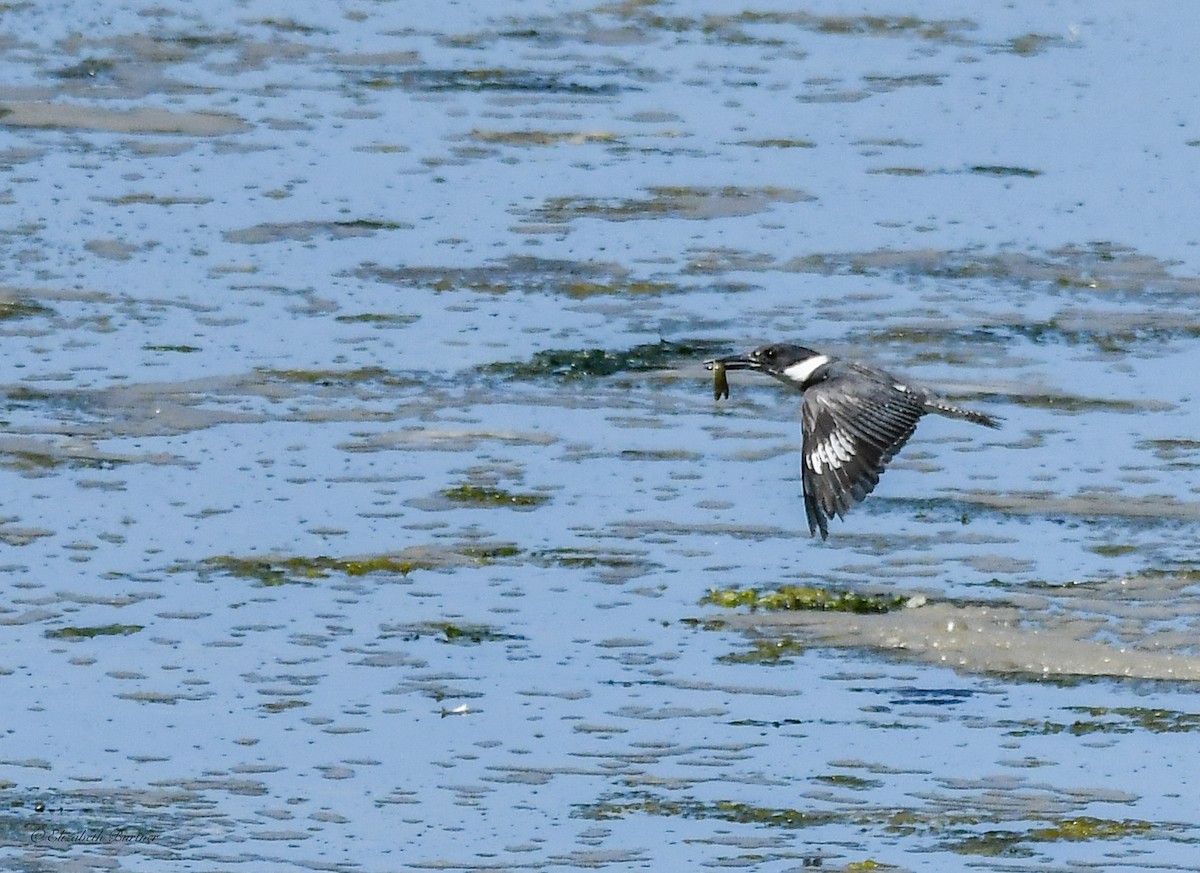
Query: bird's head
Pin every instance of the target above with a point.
(793, 365)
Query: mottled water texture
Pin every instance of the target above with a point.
(366, 506)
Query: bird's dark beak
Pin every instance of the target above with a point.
(733, 362)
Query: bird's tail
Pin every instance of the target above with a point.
(941, 407)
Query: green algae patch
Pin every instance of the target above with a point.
(672, 201)
(543, 137)
(779, 143)
(1076, 404)
(38, 463)
(283, 705)
(1088, 828)
(1112, 551)
(572, 364)
(1082, 829)
(186, 350)
(945, 30)
(843, 780)
(1113, 720)
(490, 553)
(88, 68)
(799, 597)
(523, 273)
(998, 170)
(43, 115)
(281, 571)
(478, 495)
(992, 844)
(146, 199)
(953, 830)
(769, 653)
(1096, 266)
(458, 633)
(304, 231)
(326, 377)
(720, 810)
(87, 633)
(1032, 44)
(1179, 454)
(593, 289)
(11, 310)
(659, 455)
(486, 79)
(728, 28)
(291, 25)
(589, 558)
(390, 319)
(1108, 331)
(899, 171)
(33, 461)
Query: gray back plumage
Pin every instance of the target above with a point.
(854, 422)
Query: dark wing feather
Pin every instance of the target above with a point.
(848, 441)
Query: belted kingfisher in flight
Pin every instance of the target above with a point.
(854, 419)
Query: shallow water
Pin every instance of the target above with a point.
(365, 491)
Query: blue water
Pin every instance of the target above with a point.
(268, 274)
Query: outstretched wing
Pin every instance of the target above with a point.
(848, 441)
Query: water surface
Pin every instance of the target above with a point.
(365, 492)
